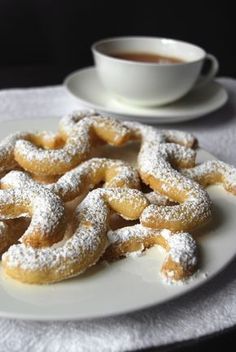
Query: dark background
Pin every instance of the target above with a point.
(41, 41)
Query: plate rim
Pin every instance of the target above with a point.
(33, 317)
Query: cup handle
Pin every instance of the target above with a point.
(214, 66)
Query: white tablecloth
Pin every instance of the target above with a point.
(208, 309)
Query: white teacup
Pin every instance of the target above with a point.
(151, 83)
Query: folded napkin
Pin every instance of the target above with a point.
(205, 310)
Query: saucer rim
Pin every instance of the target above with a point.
(180, 116)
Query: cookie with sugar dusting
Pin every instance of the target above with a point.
(214, 172)
(115, 173)
(160, 150)
(46, 154)
(7, 146)
(182, 255)
(160, 154)
(80, 133)
(86, 245)
(145, 134)
(112, 131)
(20, 196)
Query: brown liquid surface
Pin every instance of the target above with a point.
(147, 57)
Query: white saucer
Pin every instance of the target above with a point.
(86, 87)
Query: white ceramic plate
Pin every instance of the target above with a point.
(125, 285)
(85, 86)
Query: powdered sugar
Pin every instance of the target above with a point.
(182, 246)
(78, 131)
(39, 160)
(214, 171)
(68, 122)
(150, 134)
(158, 152)
(154, 163)
(93, 171)
(7, 146)
(157, 198)
(85, 239)
(31, 199)
(91, 219)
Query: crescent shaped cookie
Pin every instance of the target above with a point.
(157, 161)
(52, 250)
(86, 245)
(20, 196)
(213, 172)
(78, 143)
(7, 146)
(182, 254)
(115, 173)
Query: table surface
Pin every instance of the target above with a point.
(32, 76)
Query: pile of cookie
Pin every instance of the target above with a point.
(57, 200)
